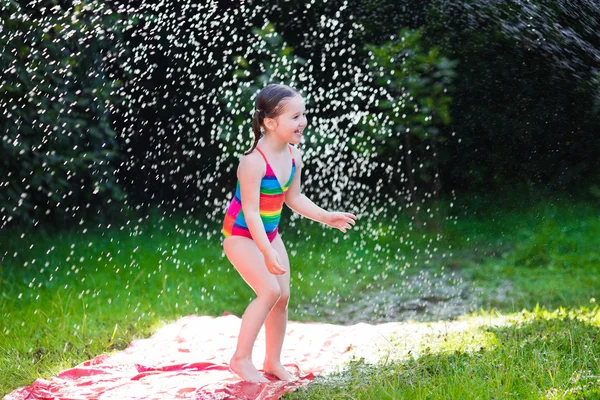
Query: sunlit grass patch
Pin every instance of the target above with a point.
(531, 355)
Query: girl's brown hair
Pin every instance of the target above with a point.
(268, 104)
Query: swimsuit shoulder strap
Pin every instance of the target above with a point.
(265, 158)
(263, 155)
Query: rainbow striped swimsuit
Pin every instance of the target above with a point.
(272, 197)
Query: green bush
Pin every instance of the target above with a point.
(412, 105)
(59, 150)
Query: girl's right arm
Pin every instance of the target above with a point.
(250, 173)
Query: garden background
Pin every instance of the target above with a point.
(463, 135)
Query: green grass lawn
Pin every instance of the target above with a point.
(67, 297)
(539, 355)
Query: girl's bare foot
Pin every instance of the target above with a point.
(278, 370)
(246, 370)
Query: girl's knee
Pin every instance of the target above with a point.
(284, 299)
(271, 295)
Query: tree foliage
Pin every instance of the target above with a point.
(526, 92)
(102, 103)
(59, 148)
(412, 106)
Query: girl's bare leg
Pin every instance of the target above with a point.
(276, 322)
(249, 262)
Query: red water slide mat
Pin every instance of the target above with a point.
(188, 358)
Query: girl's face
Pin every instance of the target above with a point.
(292, 120)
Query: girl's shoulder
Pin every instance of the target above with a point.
(252, 163)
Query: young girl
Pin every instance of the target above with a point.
(269, 175)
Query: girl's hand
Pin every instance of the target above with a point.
(273, 262)
(340, 220)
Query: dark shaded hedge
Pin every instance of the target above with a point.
(526, 94)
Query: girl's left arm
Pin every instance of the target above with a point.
(305, 207)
